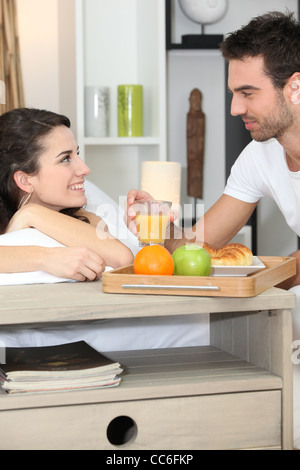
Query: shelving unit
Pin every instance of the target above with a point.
(119, 42)
(210, 43)
(207, 69)
(120, 141)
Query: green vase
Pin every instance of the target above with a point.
(130, 110)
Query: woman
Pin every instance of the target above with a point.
(42, 187)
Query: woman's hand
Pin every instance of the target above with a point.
(78, 263)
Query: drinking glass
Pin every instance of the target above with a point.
(152, 219)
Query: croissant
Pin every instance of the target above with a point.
(233, 254)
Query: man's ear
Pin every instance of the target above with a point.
(22, 180)
(294, 84)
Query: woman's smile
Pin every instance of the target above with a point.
(77, 187)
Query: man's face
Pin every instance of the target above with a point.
(262, 107)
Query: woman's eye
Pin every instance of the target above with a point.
(66, 159)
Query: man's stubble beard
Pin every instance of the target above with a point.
(275, 124)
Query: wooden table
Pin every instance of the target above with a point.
(235, 393)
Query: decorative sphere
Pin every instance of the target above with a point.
(204, 11)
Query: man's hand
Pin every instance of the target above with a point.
(294, 280)
(134, 197)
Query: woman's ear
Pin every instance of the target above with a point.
(22, 181)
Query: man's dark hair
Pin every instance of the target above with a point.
(275, 37)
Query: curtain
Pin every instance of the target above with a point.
(11, 84)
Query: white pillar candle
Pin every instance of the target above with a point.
(162, 180)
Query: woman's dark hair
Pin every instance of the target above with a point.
(275, 37)
(22, 134)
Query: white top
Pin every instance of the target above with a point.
(261, 170)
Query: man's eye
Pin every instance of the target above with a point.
(247, 93)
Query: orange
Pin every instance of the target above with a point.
(153, 259)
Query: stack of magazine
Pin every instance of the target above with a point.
(72, 366)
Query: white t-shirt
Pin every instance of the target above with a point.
(261, 170)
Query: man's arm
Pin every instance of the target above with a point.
(218, 226)
(294, 280)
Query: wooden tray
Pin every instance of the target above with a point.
(124, 281)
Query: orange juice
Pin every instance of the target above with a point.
(152, 228)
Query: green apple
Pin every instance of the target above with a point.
(191, 260)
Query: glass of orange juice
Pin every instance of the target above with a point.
(152, 220)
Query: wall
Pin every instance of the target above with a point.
(38, 31)
(47, 44)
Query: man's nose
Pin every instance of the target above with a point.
(238, 108)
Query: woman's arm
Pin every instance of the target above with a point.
(76, 263)
(72, 232)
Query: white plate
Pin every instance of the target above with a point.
(257, 264)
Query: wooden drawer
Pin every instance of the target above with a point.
(200, 422)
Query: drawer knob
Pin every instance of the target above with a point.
(121, 430)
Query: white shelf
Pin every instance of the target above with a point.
(202, 53)
(117, 42)
(136, 141)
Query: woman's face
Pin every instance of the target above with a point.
(59, 184)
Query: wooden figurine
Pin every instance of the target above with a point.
(195, 145)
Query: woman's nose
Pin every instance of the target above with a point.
(81, 167)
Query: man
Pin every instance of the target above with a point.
(264, 79)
